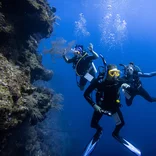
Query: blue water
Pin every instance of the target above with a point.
(132, 25)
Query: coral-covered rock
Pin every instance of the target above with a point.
(18, 98)
(22, 25)
(19, 101)
(12, 83)
(37, 71)
(28, 17)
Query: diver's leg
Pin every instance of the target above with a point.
(82, 83)
(132, 93)
(119, 120)
(95, 121)
(129, 101)
(95, 139)
(145, 95)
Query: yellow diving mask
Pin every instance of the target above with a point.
(114, 72)
(117, 101)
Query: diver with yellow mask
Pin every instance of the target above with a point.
(83, 64)
(107, 102)
(107, 97)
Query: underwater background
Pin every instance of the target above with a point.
(123, 31)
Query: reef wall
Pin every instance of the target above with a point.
(22, 25)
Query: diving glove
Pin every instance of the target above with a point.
(90, 47)
(125, 86)
(97, 108)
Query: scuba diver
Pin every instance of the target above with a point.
(107, 99)
(132, 73)
(107, 102)
(83, 64)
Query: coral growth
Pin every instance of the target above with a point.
(13, 83)
(59, 47)
(20, 99)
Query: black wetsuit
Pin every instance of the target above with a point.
(106, 96)
(83, 66)
(136, 88)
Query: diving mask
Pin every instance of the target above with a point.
(78, 50)
(75, 51)
(129, 70)
(114, 72)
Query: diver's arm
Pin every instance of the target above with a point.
(68, 60)
(140, 74)
(89, 90)
(95, 55)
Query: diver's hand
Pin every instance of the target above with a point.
(90, 47)
(97, 108)
(125, 86)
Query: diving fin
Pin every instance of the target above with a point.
(92, 144)
(127, 144)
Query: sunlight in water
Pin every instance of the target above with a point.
(80, 26)
(112, 21)
(113, 27)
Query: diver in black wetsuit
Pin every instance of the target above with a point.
(107, 99)
(83, 64)
(132, 73)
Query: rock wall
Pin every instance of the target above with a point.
(22, 25)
